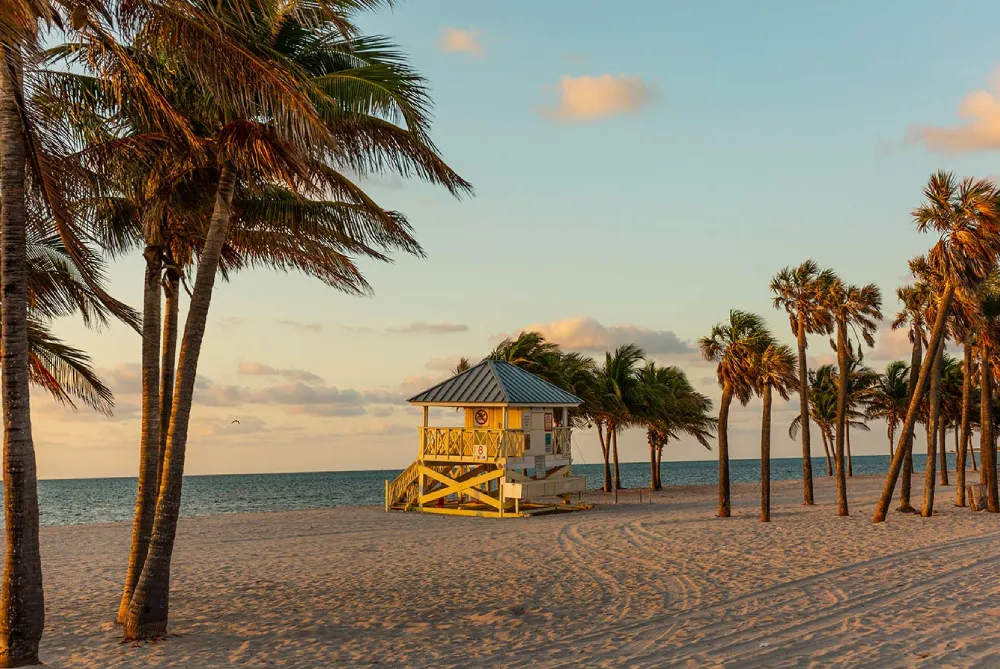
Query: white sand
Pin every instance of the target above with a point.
(635, 585)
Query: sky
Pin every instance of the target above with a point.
(638, 173)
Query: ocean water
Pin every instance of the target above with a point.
(77, 501)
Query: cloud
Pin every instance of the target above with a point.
(251, 368)
(979, 130)
(298, 396)
(314, 328)
(583, 333)
(231, 321)
(587, 98)
(891, 345)
(429, 328)
(460, 40)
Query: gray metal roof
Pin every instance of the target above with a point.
(496, 382)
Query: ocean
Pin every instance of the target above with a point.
(79, 501)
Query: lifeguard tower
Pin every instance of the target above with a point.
(513, 451)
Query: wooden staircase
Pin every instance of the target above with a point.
(402, 492)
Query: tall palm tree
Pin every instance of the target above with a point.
(797, 290)
(889, 400)
(673, 408)
(965, 214)
(915, 299)
(987, 350)
(860, 309)
(933, 420)
(862, 383)
(733, 345)
(774, 371)
(320, 122)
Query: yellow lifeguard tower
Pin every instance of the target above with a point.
(514, 449)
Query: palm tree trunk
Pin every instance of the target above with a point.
(916, 359)
(652, 460)
(149, 442)
(725, 506)
(659, 463)
(765, 457)
(842, 509)
(962, 439)
(606, 452)
(892, 431)
(987, 455)
(937, 335)
(933, 418)
(614, 454)
(942, 443)
(850, 462)
(826, 450)
(972, 453)
(148, 611)
(807, 471)
(171, 311)
(22, 603)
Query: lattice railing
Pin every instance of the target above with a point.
(473, 444)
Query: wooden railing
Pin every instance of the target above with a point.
(474, 444)
(485, 444)
(404, 488)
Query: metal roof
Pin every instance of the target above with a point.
(496, 382)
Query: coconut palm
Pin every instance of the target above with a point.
(673, 408)
(857, 308)
(733, 345)
(950, 410)
(774, 371)
(862, 383)
(323, 120)
(797, 291)
(933, 420)
(965, 214)
(888, 402)
(531, 352)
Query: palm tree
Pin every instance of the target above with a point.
(822, 409)
(915, 299)
(986, 350)
(858, 308)
(950, 411)
(531, 352)
(889, 399)
(797, 291)
(862, 383)
(673, 408)
(933, 420)
(774, 371)
(965, 215)
(623, 399)
(733, 345)
(319, 123)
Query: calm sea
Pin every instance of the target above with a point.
(76, 501)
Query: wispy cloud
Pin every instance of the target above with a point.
(587, 98)
(252, 368)
(979, 129)
(314, 328)
(429, 328)
(462, 40)
(583, 333)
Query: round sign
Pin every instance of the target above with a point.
(482, 417)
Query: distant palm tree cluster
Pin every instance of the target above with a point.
(623, 391)
(212, 137)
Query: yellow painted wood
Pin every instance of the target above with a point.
(465, 487)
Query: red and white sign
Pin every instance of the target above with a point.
(482, 417)
(548, 422)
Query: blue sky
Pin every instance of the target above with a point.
(640, 169)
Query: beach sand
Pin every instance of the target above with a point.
(634, 585)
